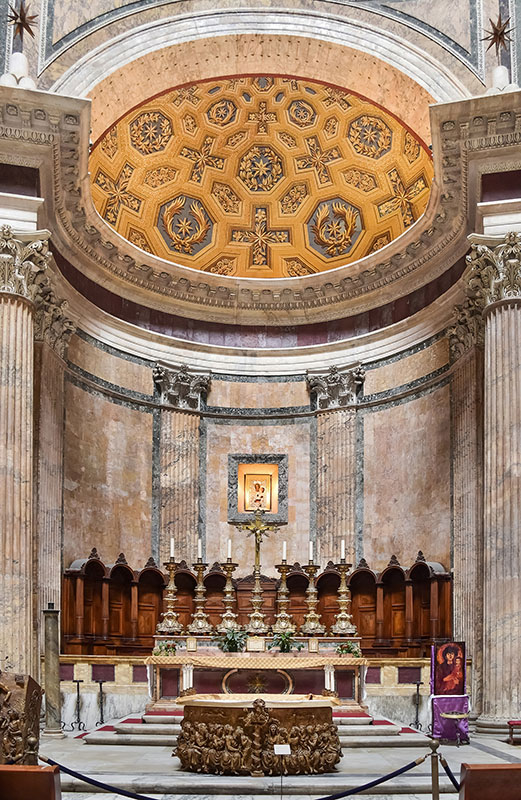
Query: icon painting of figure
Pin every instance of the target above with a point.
(449, 669)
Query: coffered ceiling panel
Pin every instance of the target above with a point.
(260, 176)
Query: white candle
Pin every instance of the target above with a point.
(199, 549)
(343, 549)
(229, 548)
(284, 551)
(171, 547)
(311, 551)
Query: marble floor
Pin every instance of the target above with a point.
(153, 772)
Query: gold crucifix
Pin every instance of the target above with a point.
(258, 528)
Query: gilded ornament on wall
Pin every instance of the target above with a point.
(260, 236)
(236, 138)
(260, 169)
(226, 197)
(334, 227)
(118, 193)
(109, 143)
(411, 148)
(186, 223)
(302, 114)
(370, 136)
(364, 181)
(222, 113)
(150, 132)
(138, 238)
(160, 176)
(293, 199)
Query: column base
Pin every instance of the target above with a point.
(492, 726)
(52, 734)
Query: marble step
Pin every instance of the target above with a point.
(174, 729)
(184, 786)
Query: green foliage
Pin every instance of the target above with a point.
(285, 641)
(348, 648)
(166, 647)
(231, 641)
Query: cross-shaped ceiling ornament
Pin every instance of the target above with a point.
(118, 194)
(202, 159)
(262, 117)
(318, 160)
(402, 197)
(260, 236)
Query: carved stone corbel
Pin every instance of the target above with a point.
(51, 324)
(336, 389)
(468, 330)
(180, 387)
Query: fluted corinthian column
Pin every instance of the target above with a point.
(53, 330)
(179, 484)
(336, 483)
(22, 263)
(466, 346)
(495, 284)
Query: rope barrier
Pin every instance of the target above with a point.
(350, 792)
(94, 782)
(376, 782)
(452, 778)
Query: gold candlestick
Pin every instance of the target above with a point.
(229, 619)
(200, 622)
(312, 624)
(344, 625)
(283, 621)
(170, 622)
(258, 528)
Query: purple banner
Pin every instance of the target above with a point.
(450, 727)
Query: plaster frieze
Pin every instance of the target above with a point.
(181, 388)
(336, 388)
(463, 133)
(22, 262)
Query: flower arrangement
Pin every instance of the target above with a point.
(166, 647)
(285, 641)
(348, 648)
(231, 641)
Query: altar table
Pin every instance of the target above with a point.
(237, 734)
(283, 673)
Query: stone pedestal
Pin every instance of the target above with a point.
(495, 284)
(21, 266)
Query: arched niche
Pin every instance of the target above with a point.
(94, 574)
(327, 592)
(362, 584)
(151, 583)
(185, 582)
(297, 582)
(120, 583)
(393, 582)
(214, 582)
(420, 578)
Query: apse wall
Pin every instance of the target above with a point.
(376, 473)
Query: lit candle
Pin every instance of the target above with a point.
(284, 551)
(199, 549)
(343, 549)
(311, 551)
(230, 549)
(171, 547)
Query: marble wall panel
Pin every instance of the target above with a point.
(110, 367)
(222, 439)
(407, 481)
(407, 369)
(107, 478)
(243, 394)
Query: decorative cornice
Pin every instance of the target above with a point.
(468, 329)
(180, 387)
(336, 389)
(51, 323)
(22, 263)
(495, 272)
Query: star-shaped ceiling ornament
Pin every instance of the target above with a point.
(499, 35)
(22, 20)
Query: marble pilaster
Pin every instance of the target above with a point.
(22, 263)
(336, 484)
(495, 284)
(179, 453)
(53, 330)
(52, 673)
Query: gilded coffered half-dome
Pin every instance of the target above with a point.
(259, 176)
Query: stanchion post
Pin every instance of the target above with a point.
(435, 773)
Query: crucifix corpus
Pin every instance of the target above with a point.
(257, 528)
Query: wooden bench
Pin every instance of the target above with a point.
(490, 781)
(29, 783)
(512, 725)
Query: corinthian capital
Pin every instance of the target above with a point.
(495, 271)
(51, 323)
(336, 389)
(468, 329)
(180, 387)
(21, 264)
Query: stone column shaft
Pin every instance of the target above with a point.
(179, 484)
(52, 673)
(336, 484)
(467, 409)
(17, 633)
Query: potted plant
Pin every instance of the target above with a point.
(348, 649)
(231, 641)
(166, 647)
(285, 641)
